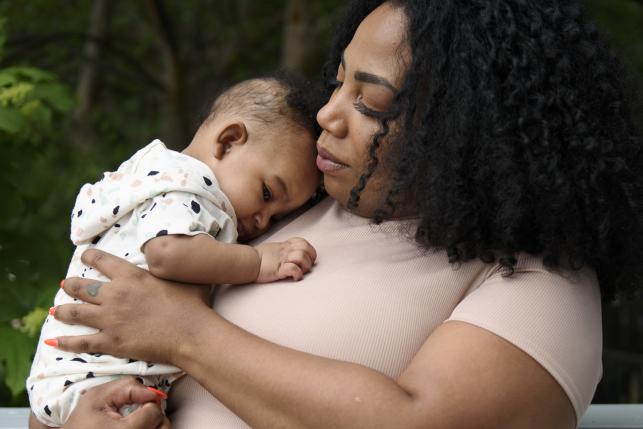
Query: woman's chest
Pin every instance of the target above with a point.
(372, 298)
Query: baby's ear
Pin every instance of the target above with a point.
(231, 135)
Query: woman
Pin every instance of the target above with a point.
(498, 134)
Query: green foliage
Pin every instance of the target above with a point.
(29, 99)
(14, 370)
(32, 103)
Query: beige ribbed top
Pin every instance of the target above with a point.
(373, 298)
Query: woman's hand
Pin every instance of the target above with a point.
(138, 315)
(99, 408)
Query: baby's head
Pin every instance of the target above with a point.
(259, 140)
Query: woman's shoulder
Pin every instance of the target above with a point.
(553, 292)
(552, 314)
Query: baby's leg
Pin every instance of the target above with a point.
(34, 423)
(58, 379)
(54, 398)
(65, 377)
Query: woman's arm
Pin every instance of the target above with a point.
(463, 376)
(205, 260)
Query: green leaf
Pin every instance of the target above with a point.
(7, 78)
(31, 73)
(15, 358)
(55, 94)
(11, 121)
(32, 322)
(38, 115)
(15, 94)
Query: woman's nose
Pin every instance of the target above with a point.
(331, 117)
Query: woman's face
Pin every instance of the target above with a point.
(371, 71)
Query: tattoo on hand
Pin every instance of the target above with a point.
(94, 288)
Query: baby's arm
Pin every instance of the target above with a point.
(203, 259)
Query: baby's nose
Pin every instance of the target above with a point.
(262, 221)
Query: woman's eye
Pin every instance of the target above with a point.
(365, 110)
(335, 83)
(267, 195)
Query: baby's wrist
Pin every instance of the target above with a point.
(258, 255)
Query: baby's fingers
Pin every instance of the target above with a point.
(303, 245)
(302, 259)
(289, 269)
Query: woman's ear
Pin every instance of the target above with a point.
(232, 134)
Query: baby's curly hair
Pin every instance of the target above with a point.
(278, 99)
(517, 134)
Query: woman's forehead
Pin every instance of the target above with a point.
(378, 45)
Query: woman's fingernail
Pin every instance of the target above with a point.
(52, 311)
(158, 392)
(53, 342)
(62, 283)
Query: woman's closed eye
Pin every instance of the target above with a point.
(365, 110)
(335, 84)
(359, 104)
(267, 193)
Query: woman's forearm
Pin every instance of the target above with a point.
(272, 386)
(451, 382)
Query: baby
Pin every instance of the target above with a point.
(180, 214)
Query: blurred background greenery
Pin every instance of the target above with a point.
(84, 83)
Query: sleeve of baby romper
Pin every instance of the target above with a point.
(555, 317)
(181, 213)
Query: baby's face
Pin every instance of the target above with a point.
(265, 181)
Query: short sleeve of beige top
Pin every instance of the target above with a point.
(373, 298)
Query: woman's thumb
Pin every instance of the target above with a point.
(149, 416)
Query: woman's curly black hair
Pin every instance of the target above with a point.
(517, 135)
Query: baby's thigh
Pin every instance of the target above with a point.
(54, 398)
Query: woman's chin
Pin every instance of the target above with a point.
(341, 192)
(337, 189)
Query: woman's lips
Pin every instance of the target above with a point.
(327, 163)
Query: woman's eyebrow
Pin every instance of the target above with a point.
(370, 78)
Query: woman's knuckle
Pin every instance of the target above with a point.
(120, 294)
(75, 288)
(117, 340)
(91, 257)
(96, 258)
(74, 313)
(83, 345)
(129, 381)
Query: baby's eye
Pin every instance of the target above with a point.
(267, 195)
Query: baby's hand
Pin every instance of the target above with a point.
(291, 258)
